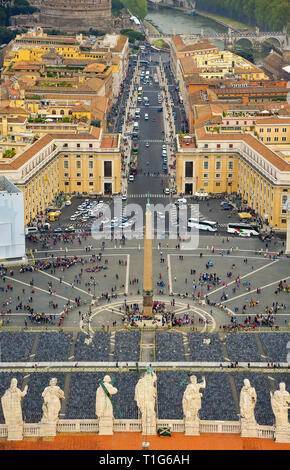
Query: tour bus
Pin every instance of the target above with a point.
(207, 225)
(137, 112)
(136, 127)
(243, 230)
(29, 230)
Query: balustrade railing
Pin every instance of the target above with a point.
(135, 425)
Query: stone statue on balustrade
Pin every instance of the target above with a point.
(191, 404)
(12, 410)
(104, 407)
(248, 399)
(51, 405)
(145, 396)
(280, 401)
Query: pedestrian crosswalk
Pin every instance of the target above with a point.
(145, 195)
(155, 141)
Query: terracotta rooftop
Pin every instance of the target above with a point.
(109, 141)
(188, 65)
(133, 441)
(14, 111)
(273, 120)
(272, 157)
(25, 65)
(25, 156)
(95, 67)
(120, 43)
(245, 90)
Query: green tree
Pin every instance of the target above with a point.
(137, 7)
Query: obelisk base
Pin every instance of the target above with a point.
(147, 305)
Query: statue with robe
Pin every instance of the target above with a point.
(280, 402)
(145, 396)
(51, 405)
(191, 402)
(248, 399)
(11, 404)
(104, 407)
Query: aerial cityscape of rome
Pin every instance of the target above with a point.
(144, 226)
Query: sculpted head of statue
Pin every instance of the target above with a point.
(53, 381)
(247, 383)
(282, 386)
(13, 383)
(193, 379)
(107, 379)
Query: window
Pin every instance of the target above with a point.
(230, 175)
(269, 129)
(79, 175)
(78, 146)
(268, 139)
(284, 129)
(66, 183)
(205, 183)
(275, 139)
(205, 165)
(217, 165)
(65, 164)
(284, 199)
(230, 146)
(283, 139)
(91, 164)
(230, 165)
(205, 175)
(276, 129)
(90, 146)
(78, 164)
(217, 175)
(66, 175)
(284, 221)
(91, 175)
(218, 146)
(217, 184)
(206, 146)
(91, 183)
(188, 169)
(79, 183)
(65, 145)
(108, 169)
(261, 130)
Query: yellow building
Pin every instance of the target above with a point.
(64, 162)
(235, 163)
(273, 130)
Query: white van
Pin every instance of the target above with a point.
(146, 117)
(29, 230)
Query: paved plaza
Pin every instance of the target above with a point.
(82, 275)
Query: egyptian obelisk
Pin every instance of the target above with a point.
(147, 281)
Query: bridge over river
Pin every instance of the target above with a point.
(279, 39)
